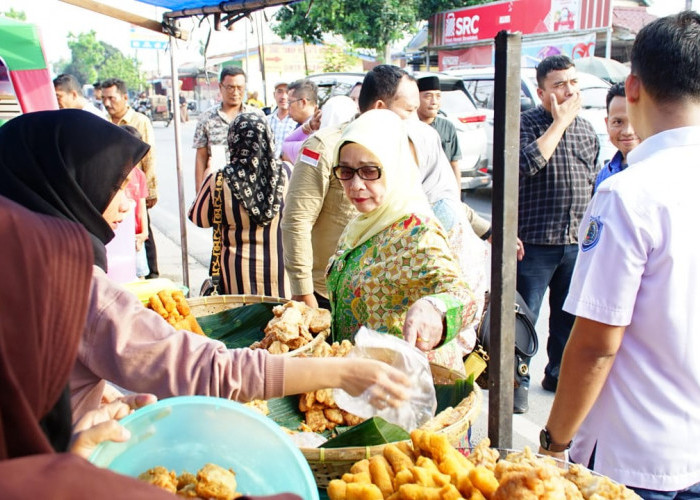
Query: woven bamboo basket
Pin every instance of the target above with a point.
(332, 463)
(212, 304)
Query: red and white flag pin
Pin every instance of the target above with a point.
(310, 157)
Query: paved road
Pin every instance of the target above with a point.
(166, 222)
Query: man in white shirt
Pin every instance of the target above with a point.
(629, 389)
(281, 122)
(69, 94)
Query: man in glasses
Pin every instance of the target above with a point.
(303, 103)
(212, 127)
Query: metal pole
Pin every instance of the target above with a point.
(178, 163)
(506, 146)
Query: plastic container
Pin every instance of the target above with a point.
(184, 433)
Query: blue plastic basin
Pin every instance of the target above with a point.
(184, 433)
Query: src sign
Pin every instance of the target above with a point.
(468, 26)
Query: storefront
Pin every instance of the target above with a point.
(464, 37)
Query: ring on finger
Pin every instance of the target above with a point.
(423, 339)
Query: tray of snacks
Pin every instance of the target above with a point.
(430, 467)
(279, 325)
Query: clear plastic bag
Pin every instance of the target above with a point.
(421, 404)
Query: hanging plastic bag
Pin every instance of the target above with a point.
(421, 403)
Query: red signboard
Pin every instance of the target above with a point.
(481, 23)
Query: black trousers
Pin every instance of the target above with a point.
(151, 254)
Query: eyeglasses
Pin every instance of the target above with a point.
(233, 88)
(295, 100)
(368, 173)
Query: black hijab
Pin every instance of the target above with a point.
(254, 175)
(69, 164)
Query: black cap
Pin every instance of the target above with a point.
(428, 83)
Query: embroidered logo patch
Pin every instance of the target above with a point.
(309, 156)
(595, 228)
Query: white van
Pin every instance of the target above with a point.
(479, 82)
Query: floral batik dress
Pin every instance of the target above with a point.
(374, 284)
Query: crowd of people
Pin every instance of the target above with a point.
(354, 206)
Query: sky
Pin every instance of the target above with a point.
(56, 19)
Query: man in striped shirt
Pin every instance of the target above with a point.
(558, 165)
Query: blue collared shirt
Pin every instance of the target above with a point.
(614, 166)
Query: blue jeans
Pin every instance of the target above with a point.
(687, 494)
(550, 266)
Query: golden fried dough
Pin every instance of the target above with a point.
(161, 477)
(214, 481)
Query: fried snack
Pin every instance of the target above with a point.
(278, 347)
(334, 416)
(397, 458)
(543, 482)
(172, 306)
(417, 492)
(323, 399)
(186, 478)
(351, 419)
(363, 491)
(188, 491)
(437, 478)
(359, 473)
(597, 487)
(484, 480)
(483, 454)
(317, 421)
(214, 481)
(292, 327)
(337, 489)
(320, 320)
(161, 477)
(382, 474)
(259, 405)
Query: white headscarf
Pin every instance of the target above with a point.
(338, 109)
(384, 134)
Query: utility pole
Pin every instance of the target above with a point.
(688, 4)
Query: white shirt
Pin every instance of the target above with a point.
(639, 266)
(91, 108)
(437, 176)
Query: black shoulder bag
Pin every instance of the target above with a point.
(526, 343)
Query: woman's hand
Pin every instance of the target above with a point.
(388, 385)
(424, 326)
(101, 424)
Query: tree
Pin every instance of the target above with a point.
(92, 59)
(428, 8)
(15, 14)
(369, 24)
(335, 59)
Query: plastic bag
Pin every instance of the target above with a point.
(421, 404)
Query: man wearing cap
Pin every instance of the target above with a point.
(281, 122)
(430, 97)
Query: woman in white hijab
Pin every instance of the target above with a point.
(393, 270)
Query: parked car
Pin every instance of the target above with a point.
(479, 81)
(457, 106)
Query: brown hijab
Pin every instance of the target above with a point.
(46, 271)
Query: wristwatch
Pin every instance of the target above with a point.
(546, 443)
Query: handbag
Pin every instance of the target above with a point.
(526, 343)
(212, 285)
